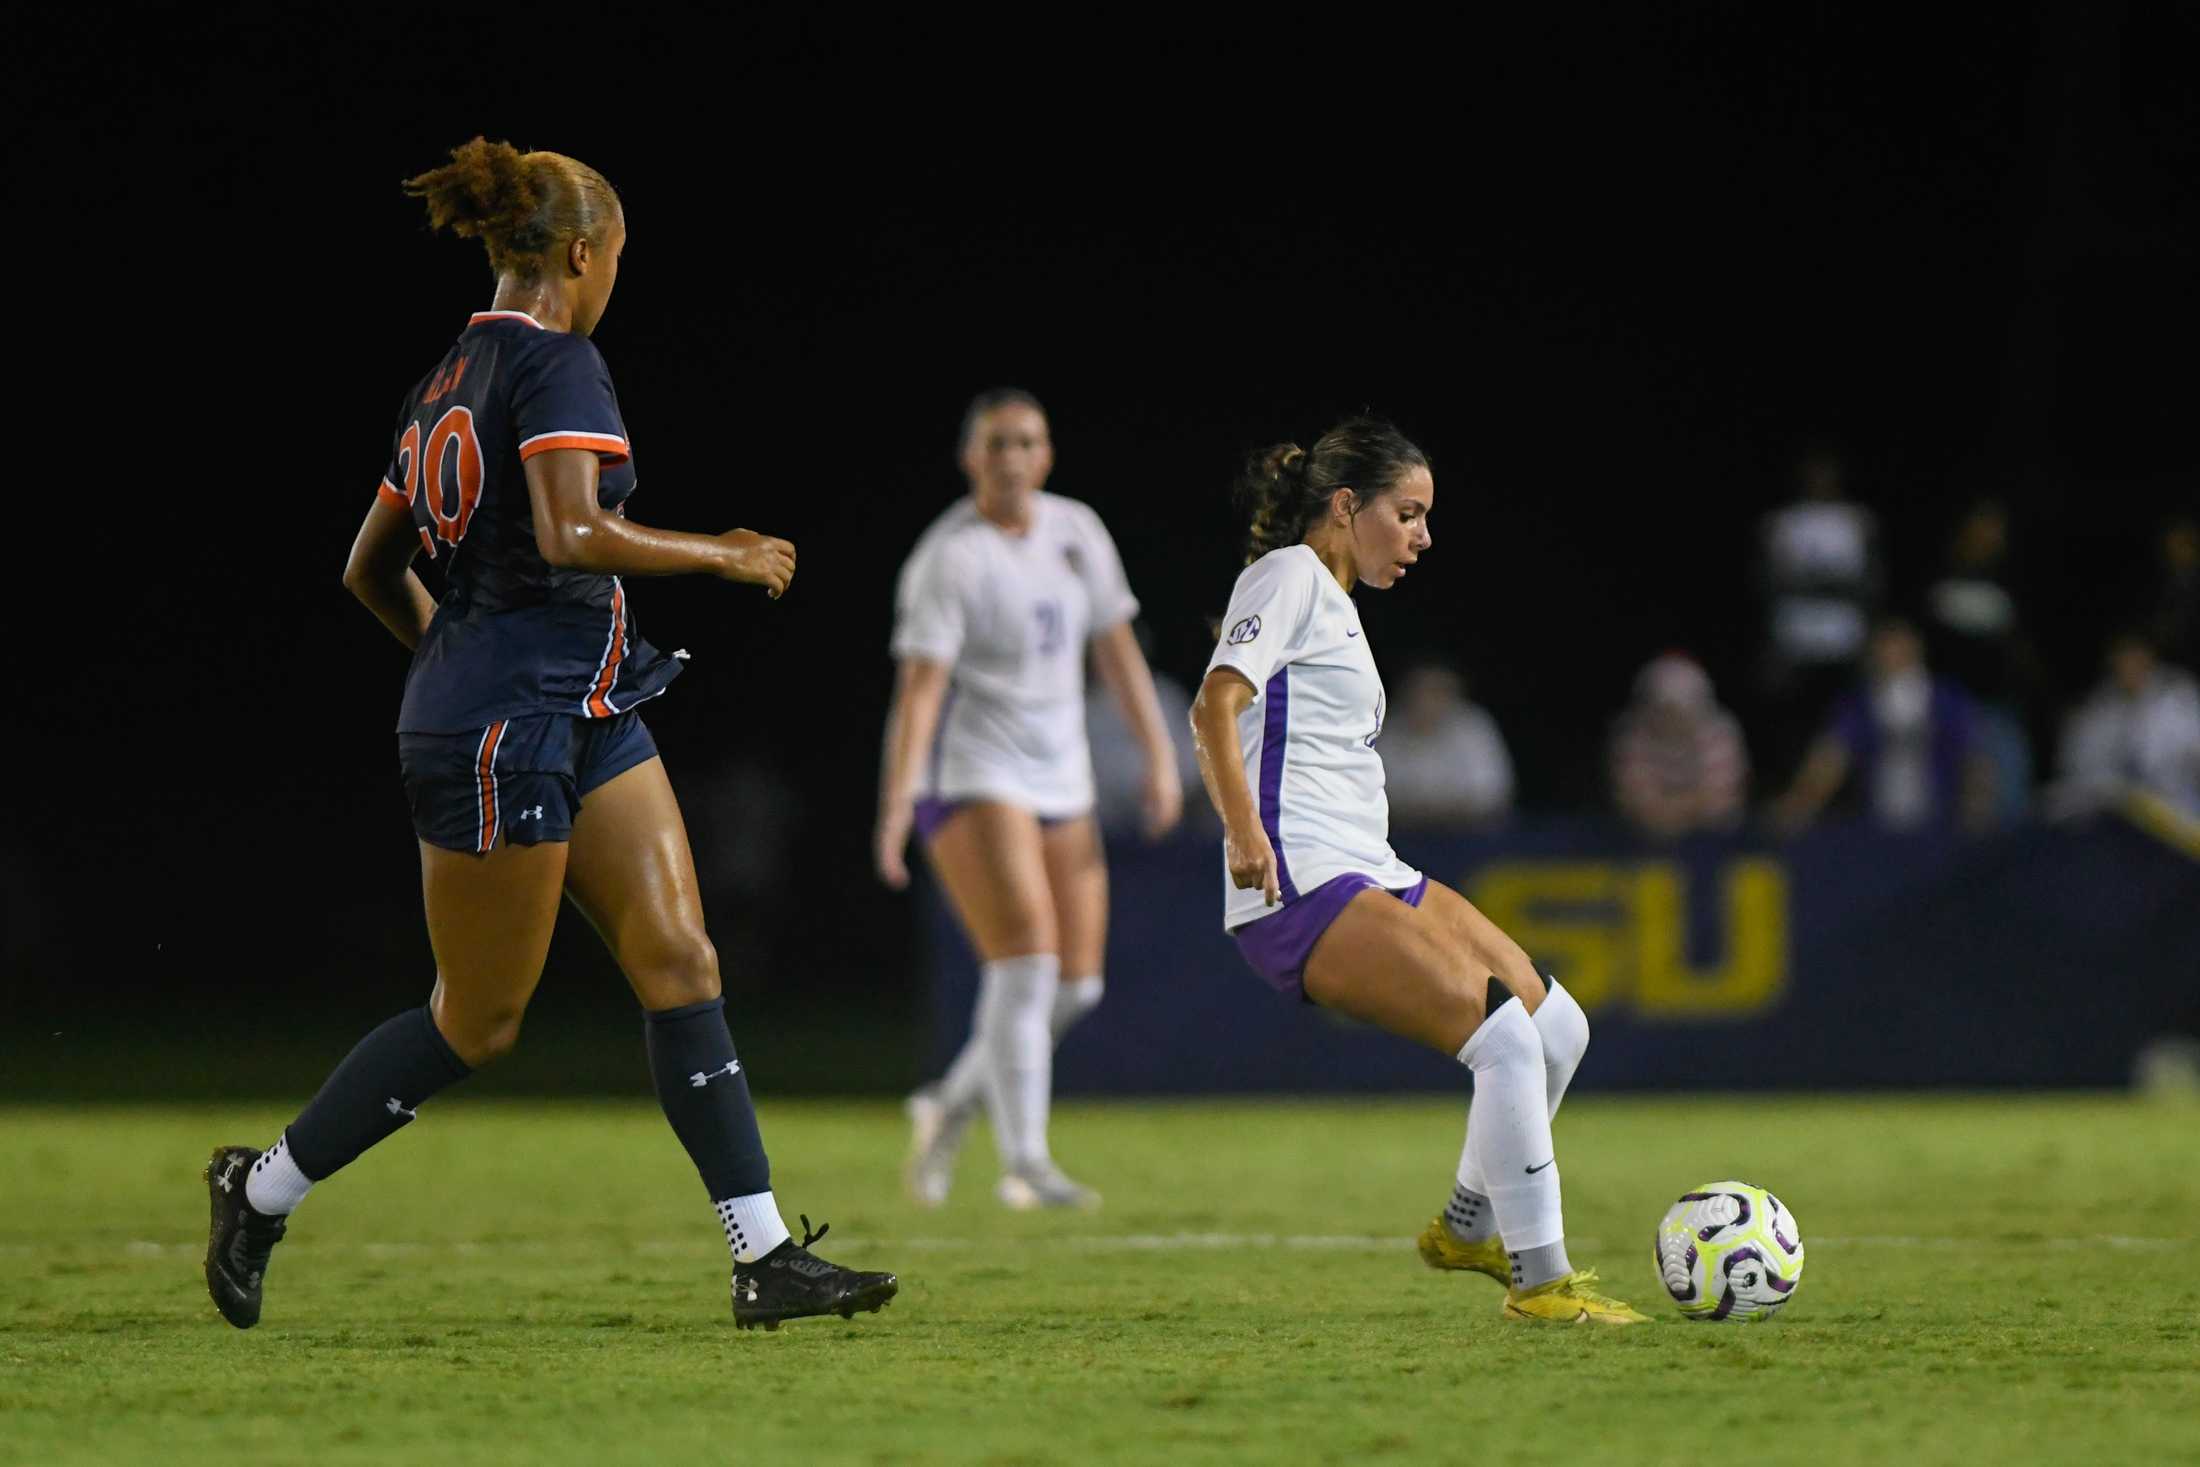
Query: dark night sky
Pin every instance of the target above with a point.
(1609, 275)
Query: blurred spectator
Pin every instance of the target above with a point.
(2177, 609)
(1119, 762)
(1444, 762)
(1974, 636)
(1821, 583)
(2139, 731)
(1678, 761)
(1910, 740)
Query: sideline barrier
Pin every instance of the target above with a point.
(1849, 958)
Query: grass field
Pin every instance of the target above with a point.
(2001, 1280)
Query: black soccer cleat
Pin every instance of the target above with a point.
(239, 1240)
(791, 1282)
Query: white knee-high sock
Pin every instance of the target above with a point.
(1509, 1129)
(1076, 998)
(1564, 1029)
(963, 1087)
(1014, 1008)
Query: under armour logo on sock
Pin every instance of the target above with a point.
(703, 1077)
(395, 1109)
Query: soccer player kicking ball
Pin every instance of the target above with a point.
(1286, 722)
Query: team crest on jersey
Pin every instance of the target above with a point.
(1074, 559)
(1244, 632)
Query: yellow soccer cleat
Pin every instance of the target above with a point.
(1570, 1300)
(1439, 1249)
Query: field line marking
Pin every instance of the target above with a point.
(1070, 1243)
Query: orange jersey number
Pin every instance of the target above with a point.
(452, 461)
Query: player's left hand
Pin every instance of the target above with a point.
(759, 560)
(1161, 800)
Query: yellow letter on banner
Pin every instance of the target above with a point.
(1564, 914)
(1754, 971)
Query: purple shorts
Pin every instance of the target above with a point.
(1278, 945)
(932, 814)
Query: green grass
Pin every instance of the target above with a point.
(1996, 1280)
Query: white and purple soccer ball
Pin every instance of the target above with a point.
(1729, 1251)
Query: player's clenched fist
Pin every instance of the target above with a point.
(759, 560)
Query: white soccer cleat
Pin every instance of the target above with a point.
(935, 1140)
(1030, 1188)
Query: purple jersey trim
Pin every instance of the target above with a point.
(1273, 735)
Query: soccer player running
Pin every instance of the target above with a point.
(529, 772)
(986, 759)
(1285, 725)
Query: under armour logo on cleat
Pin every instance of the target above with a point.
(395, 1109)
(703, 1077)
(228, 1172)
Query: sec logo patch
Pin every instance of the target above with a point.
(1244, 632)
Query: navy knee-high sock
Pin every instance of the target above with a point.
(706, 1097)
(373, 1093)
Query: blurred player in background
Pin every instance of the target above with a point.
(529, 772)
(1286, 723)
(986, 760)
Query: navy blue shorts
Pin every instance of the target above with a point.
(520, 780)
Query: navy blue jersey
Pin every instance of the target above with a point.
(514, 636)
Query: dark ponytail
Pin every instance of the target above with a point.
(522, 206)
(1286, 488)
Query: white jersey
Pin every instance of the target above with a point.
(1010, 615)
(1309, 735)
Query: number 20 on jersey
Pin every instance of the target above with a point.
(452, 465)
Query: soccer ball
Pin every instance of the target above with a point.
(1728, 1250)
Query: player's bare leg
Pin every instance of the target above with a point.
(1399, 968)
(631, 873)
(991, 860)
(1077, 878)
(1421, 972)
(490, 919)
